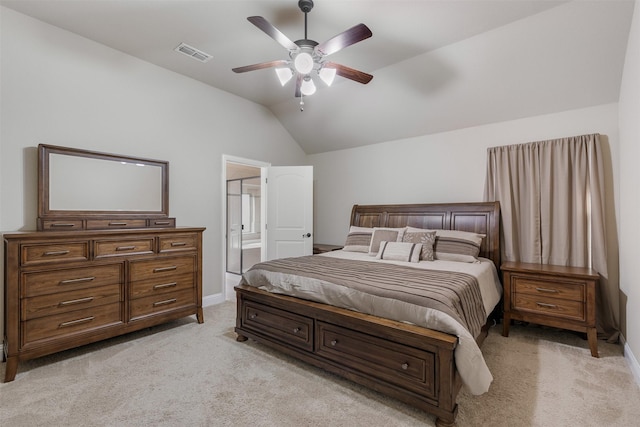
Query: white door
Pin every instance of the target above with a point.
(289, 211)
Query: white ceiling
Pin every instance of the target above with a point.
(437, 65)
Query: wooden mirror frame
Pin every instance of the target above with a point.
(58, 219)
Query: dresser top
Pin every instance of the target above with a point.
(25, 235)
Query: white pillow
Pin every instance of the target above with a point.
(399, 251)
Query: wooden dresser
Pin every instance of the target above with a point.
(64, 289)
(551, 295)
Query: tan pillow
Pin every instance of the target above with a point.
(387, 234)
(358, 239)
(426, 238)
(399, 251)
(455, 245)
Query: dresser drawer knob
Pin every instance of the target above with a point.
(55, 253)
(405, 366)
(544, 304)
(253, 315)
(79, 280)
(296, 330)
(77, 322)
(76, 301)
(551, 291)
(334, 342)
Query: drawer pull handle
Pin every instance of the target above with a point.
(165, 302)
(60, 224)
(333, 343)
(77, 322)
(162, 222)
(54, 253)
(113, 224)
(178, 244)
(296, 330)
(551, 291)
(166, 285)
(76, 301)
(125, 248)
(404, 366)
(81, 279)
(161, 269)
(253, 315)
(543, 304)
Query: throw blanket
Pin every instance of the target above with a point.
(452, 293)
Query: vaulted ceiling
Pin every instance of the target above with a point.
(437, 65)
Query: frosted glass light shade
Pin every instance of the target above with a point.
(327, 75)
(284, 75)
(307, 87)
(303, 63)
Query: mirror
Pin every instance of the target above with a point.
(79, 183)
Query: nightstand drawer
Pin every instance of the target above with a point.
(548, 288)
(549, 306)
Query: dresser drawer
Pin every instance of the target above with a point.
(71, 323)
(553, 288)
(391, 362)
(101, 224)
(162, 223)
(63, 302)
(153, 304)
(32, 254)
(110, 248)
(52, 281)
(156, 286)
(555, 307)
(161, 268)
(75, 224)
(291, 328)
(182, 242)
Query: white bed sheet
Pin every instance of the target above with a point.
(470, 363)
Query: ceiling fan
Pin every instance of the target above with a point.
(307, 57)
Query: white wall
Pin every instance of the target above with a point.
(62, 89)
(629, 177)
(443, 167)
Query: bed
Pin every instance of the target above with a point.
(420, 365)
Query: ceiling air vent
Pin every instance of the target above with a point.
(193, 52)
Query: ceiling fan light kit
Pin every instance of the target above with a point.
(307, 57)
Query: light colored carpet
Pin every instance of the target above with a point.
(184, 373)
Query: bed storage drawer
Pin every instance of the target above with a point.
(393, 362)
(279, 324)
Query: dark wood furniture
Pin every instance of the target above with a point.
(107, 260)
(319, 248)
(67, 289)
(413, 364)
(551, 295)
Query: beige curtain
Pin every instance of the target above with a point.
(551, 196)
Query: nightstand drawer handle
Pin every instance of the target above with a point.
(542, 304)
(552, 291)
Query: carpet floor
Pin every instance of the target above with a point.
(184, 373)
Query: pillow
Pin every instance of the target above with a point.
(455, 245)
(424, 237)
(399, 251)
(358, 239)
(380, 234)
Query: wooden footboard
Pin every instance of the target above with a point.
(412, 364)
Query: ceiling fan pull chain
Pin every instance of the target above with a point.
(301, 103)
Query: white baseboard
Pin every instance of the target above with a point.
(631, 359)
(214, 299)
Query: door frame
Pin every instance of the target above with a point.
(223, 250)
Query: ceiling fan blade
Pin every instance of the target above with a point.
(272, 32)
(298, 94)
(260, 66)
(350, 73)
(344, 39)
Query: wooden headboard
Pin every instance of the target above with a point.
(482, 218)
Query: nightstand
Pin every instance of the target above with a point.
(319, 248)
(551, 295)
